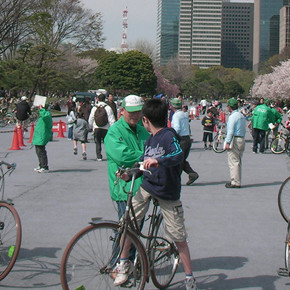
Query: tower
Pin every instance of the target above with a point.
(124, 28)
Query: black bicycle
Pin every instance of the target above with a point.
(281, 142)
(10, 227)
(90, 257)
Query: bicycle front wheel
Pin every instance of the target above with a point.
(278, 145)
(218, 143)
(88, 259)
(287, 250)
(164, 257)
(284, 199)
(10, 238)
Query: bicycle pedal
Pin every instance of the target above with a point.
(283, 272)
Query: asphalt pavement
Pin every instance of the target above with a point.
(236, 236)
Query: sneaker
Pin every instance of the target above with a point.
(230, 185)
(37, 168)
(42, 170)
(123, 271)
(99, 159)
(209, 147)
(205, 147)
(75, 151)
(84, 155)
(192, 177)
(190, 284)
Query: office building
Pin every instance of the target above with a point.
(167, 30)
(284, 27)
(237, 35)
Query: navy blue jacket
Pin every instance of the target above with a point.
(165, 181)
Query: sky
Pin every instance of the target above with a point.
(142, 19)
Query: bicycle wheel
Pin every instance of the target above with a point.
(10, 238)
(287, 250)
(164, 257)
(278, 145)
(218, 143)
(87, 260)
(284, 199)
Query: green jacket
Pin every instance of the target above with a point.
(262, 117)
(277, 116)
(123, 148)
(42, 132)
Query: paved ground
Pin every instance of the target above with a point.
(236, 236)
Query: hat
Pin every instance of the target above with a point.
(176, 103)
(23, 98)
(233, 103)
(132, 103)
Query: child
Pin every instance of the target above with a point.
(287, 124)
(162, 156)
(71, 119)
(208, 125)
(80, 132)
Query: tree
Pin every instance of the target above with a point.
(233, 89)
(164, 86)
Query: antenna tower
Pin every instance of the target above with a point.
(124, 27)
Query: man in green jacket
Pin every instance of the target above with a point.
(261, 118)
(277, 119)
(124, 144)
(41, 136)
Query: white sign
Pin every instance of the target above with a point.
(39, 100)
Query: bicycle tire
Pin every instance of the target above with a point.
(278, 145)
(287, 250)
(163, 256)
(284, 199)
(10, 238)
(90, 251)
(218, 143)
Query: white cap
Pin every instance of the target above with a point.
(23, 98)
(132, 103)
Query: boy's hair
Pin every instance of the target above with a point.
(156, 111)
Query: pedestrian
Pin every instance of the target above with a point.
(180, 122)
(162, 156)
(277, 119)
(101, 118)
(208, 126)
(80, 133)
(235, 143)
(261, 118)
(85, 109)
(124, 144)
(42, 135)
(71, 119)
(113, 105)
(203, 105)
(23, 111)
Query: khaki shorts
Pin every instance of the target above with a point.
(172, 212)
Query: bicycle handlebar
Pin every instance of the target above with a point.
(137, 166)
(9, 165)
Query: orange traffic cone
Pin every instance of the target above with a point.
(20, 136)
(60, 130)
(31, 132)
(15, 144)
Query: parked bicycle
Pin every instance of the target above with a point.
(219, 138)
(90, 257)
(281, 142)
(10, 226)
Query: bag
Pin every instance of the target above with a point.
(101, 117)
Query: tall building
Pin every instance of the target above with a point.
(237, 35)
(167, 30)
(266, 30)
(284, 27)
(200, 32)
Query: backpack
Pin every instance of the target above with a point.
(101, 117)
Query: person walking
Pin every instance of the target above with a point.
(71, 119)
(23, 111)
(101, 118)
(162, 156)
(235, 143)
(208, 126)
(113, 105)
(180, 122)
(80, 133)
(42, 135)
(124, 144)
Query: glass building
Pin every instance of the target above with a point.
(167, 30)
(266, 30)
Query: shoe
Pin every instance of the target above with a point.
(190, 284)
(37, 168)
(192, 177)
(123, 272)
(42, 170)
(75, 151)
(205, 147)
(84, 155)
(255, 152)
(230, 185)
(209, 147)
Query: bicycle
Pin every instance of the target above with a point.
(90, 257)
(10, 227)
(219, 139)
(281, 142)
